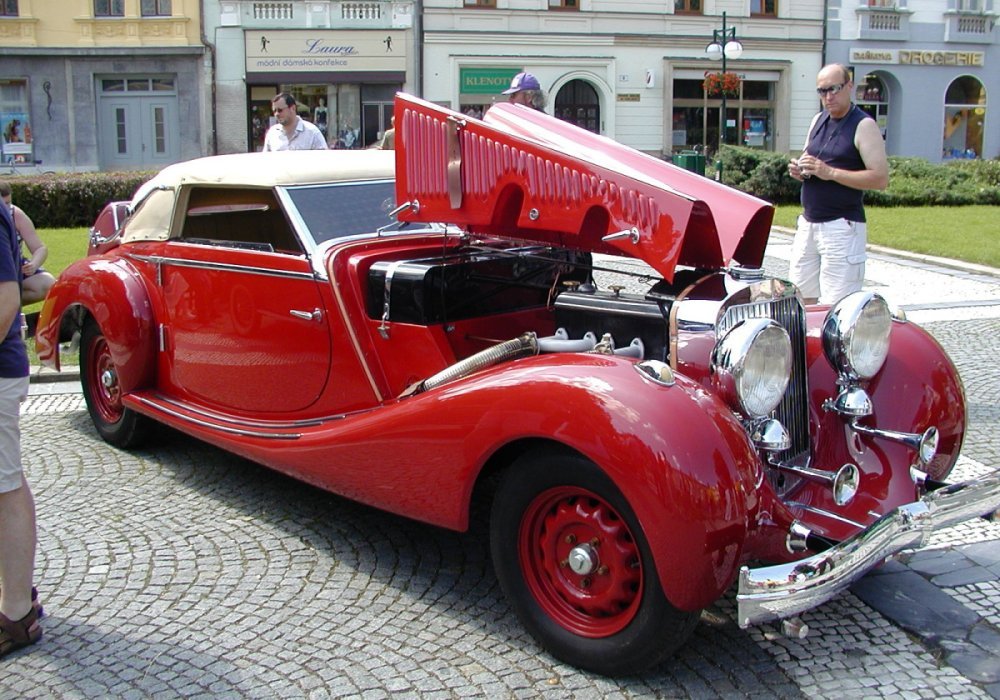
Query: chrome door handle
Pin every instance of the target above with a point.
(314, 315)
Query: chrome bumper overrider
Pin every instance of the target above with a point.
(775, 592)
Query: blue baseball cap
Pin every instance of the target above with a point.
(522, 81)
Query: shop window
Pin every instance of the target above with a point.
(687, 7)
(15, 125)
(964, 116)
(578, 103)
(872, 96)
(696, 117)
(155, 8)
(8, 8)
(765, 8)
(564, 4)
(109, 8)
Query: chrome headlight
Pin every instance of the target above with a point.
(856, 335)
(751, 366)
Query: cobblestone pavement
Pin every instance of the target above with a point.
(183, 571)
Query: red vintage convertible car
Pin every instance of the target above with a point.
(645, 443)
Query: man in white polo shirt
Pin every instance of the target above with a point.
(291, 132)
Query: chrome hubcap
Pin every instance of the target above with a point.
(582, 559)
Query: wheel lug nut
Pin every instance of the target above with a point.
(602, 569)
(564, 563)
(585, 583)
(570, 539)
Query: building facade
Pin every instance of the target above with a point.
(926, 70)
(635, 71)
(342, 61)
(102, 84)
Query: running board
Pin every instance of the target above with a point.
(155, 405)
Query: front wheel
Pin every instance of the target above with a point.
(570, 555)
(117, 425)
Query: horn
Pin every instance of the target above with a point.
(844, 481)
(925, 444)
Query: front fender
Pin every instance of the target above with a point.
(918, 387)
(110, 291)
(678, 456)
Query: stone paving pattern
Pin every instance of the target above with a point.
(183, 571)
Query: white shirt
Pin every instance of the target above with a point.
(306, 137)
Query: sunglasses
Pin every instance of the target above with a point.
(832, 90)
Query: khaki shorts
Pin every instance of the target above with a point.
(828, 259)
(12, 393)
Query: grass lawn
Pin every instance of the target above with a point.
(65, 245)
(969, 233)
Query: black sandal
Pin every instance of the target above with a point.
(18, 634)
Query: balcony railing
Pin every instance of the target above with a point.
(883, 23)
(318, 14)
(970, 27)
(361, 10)
(273, 10)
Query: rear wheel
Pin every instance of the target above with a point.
(117, 425)
(571, 557)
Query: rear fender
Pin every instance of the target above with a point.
(108, 290)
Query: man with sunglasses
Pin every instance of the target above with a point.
(844, 155)
(291, 132)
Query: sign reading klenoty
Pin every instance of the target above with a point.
(325, 51)
(919, 58)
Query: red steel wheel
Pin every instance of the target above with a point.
(580, 561)
(103, 379)
(117, 425)
(570, 555)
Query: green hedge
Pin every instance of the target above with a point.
(72, 199)
(912, 181)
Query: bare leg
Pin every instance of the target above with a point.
(17, 551)
(35, 288)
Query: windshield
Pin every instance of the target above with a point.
(344, 209)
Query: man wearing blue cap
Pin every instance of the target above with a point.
(525, 90)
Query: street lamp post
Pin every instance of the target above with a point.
(724, 45)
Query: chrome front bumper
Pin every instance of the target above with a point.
(774, 592)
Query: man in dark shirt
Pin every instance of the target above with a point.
(844, 155)
(18, 612)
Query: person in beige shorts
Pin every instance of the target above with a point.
(19, 608)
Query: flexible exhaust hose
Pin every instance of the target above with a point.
(521, 346)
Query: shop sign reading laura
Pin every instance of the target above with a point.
(298, 50)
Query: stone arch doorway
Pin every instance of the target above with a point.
(577, 102)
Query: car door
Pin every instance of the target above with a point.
(246, 328)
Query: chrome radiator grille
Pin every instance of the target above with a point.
(793, 411)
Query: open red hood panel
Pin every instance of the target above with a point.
(522, 174)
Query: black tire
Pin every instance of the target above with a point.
(116, 424)
(614, 618)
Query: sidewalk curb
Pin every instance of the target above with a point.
(44, 375)
(951, 263)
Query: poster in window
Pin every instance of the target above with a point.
(15, 132)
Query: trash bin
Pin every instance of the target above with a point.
(690, 160)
